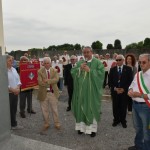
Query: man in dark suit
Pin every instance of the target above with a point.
(69, 80)
(120, 78)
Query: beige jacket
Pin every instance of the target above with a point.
(43, 86)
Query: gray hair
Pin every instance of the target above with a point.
(145, 55)
(47, 59)
(8, 57)
(88, 47)
(73, 57)
(24, 58)
(120, 56)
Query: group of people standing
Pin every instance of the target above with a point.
(85, 82)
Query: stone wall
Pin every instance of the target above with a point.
(40, 54)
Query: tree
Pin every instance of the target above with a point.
(132, 46)
(146, 43)
(140, 45)
(77, 46)
(117, 44)
(110, 46)
(97, 45)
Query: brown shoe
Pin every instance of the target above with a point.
(45, 127)
(58, 126)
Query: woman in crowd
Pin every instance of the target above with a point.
(130, 60)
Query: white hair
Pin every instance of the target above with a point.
(145, 55)
(24, 58)
(73, 57)
(47, 59)
(120, 56)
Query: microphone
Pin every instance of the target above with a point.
(86, 60)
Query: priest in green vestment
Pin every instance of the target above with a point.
(88, 77)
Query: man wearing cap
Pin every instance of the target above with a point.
(48, 93)
(69, 80)
(88, 76)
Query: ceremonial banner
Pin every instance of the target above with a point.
(28, 74)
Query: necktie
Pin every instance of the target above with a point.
(119, 76)
(48, 76)
(119, 71)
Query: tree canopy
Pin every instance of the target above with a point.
(117, 44)
(97, 45)
(139, 45)
(109, 46)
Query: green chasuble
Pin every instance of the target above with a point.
(87, 92)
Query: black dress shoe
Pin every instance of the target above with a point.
(22, 115)
(79, 132)
(32, 112)
(115, 124)
(133, 148)
(68, 109)
(93, 134)
(124, 125)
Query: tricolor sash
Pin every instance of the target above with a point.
(142, 87)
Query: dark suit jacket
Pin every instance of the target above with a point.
(125, 80)
(68, 80)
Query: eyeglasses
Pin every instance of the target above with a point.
(118, 59)
(142, 62)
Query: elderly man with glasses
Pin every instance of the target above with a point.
(120, 78)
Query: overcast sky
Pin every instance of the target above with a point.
(40, 23)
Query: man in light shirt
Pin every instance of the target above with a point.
(139, 91)
(14, 89)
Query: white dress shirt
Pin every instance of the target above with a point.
(13, 78)
(134, 85)
(47, 76)
(120, 67)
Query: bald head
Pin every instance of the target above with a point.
(120, 60)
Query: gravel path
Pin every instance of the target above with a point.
(108, 137)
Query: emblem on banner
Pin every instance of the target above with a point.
(58, 69)
(31, 76)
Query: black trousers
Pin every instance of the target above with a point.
(25, 95)
(119, 104)
(70, 92)
(105, 79)
(129, 103)
(13, 101)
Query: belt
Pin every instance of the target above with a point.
(49, 91)
(135, 102)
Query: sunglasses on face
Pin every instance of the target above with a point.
(118, 59)
(142, 62)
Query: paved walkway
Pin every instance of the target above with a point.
(108, 137)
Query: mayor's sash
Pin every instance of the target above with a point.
(28, 74)
(142, 87)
